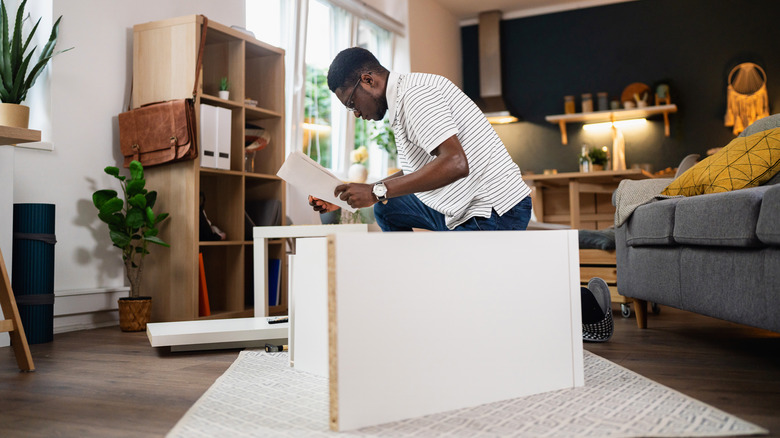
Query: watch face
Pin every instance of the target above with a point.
(380, 190)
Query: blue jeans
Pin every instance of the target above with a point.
(407, 212)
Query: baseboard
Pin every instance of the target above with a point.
(86, 308)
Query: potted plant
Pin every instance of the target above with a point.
(384, 136)
(132, 226)
(15, 80)
(223, 89)
(598, 158)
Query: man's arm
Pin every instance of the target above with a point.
(449, 166)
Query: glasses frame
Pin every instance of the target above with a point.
(350, 104)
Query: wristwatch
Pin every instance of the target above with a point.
(380, 191)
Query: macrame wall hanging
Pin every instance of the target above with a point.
(747, 99)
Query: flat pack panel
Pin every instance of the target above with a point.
(422, 323)
(309, 310)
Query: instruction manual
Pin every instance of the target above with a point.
(310, 177)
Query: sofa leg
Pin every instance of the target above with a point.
(640, 308)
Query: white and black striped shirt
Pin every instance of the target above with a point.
(427, 109)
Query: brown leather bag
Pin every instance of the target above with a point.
(162, 132)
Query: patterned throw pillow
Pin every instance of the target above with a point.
(745, 162)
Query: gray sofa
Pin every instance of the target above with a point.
(715, 254)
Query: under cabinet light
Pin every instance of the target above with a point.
(630, 123)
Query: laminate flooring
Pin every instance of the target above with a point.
(105, 383)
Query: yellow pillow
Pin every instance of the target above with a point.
(745, 162)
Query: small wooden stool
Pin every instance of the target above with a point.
(12, 322)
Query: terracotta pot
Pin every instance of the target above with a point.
(596, 167)
(134, 313)
(17, 116)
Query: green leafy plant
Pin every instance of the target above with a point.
(598, 156)
(383, 136)
(223, 84)
(131, 222)
(14, 59)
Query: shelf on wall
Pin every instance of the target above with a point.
(10, 135)
(612, 116)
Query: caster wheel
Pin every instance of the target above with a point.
(625, 310)
(655, 308)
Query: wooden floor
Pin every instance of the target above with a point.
(105, 383)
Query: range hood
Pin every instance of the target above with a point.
(491, 100)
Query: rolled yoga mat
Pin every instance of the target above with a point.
(33, 269)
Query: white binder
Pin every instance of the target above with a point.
(224, 126)
(208, 136)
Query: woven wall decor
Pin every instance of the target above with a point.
(747, 99)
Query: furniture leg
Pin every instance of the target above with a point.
(574, 203)
(13, 322)
(640, 308)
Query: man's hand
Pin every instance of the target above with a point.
(356, 195)
(321, 206)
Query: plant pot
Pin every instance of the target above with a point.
(17, 116)
(357, 173)
(224, 94)
(596, 167)
(134, 313)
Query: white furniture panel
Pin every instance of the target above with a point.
(309, 306)
(431, 322)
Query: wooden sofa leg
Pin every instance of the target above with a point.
(640, 309)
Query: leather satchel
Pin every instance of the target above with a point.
(159, 133)
(162, 132)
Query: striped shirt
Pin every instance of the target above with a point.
(427, 109)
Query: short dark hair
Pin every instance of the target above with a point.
(349, 64)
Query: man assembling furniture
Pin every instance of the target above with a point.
(456, 173)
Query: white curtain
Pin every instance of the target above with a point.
(297, 15)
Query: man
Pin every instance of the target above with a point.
(456, 174)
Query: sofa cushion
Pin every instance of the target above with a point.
(720, 219)
(768, 227)
(652, 223)
(744, 162)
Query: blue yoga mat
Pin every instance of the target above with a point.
(33, 269)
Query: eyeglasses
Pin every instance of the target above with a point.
(350, 104)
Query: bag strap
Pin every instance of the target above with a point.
(199, 62)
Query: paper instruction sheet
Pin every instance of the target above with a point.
(310, 177)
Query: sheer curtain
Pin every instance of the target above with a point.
(316, 122)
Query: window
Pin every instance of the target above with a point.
(329, 133)
(330, 30)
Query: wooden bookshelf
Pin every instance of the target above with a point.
(164, 58)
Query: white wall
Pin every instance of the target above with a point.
(89, 86)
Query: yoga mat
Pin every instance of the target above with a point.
(33, 269)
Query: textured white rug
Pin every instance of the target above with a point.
(261, 396)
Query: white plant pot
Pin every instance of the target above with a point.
(357, 173)
(225, 95)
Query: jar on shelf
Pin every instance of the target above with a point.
(568, 105)
(602, 101)
(587, 103)
(585, 163)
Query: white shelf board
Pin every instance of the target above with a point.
(214, 332)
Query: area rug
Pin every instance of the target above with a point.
(261, 396)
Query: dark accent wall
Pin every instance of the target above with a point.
(690, 44)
